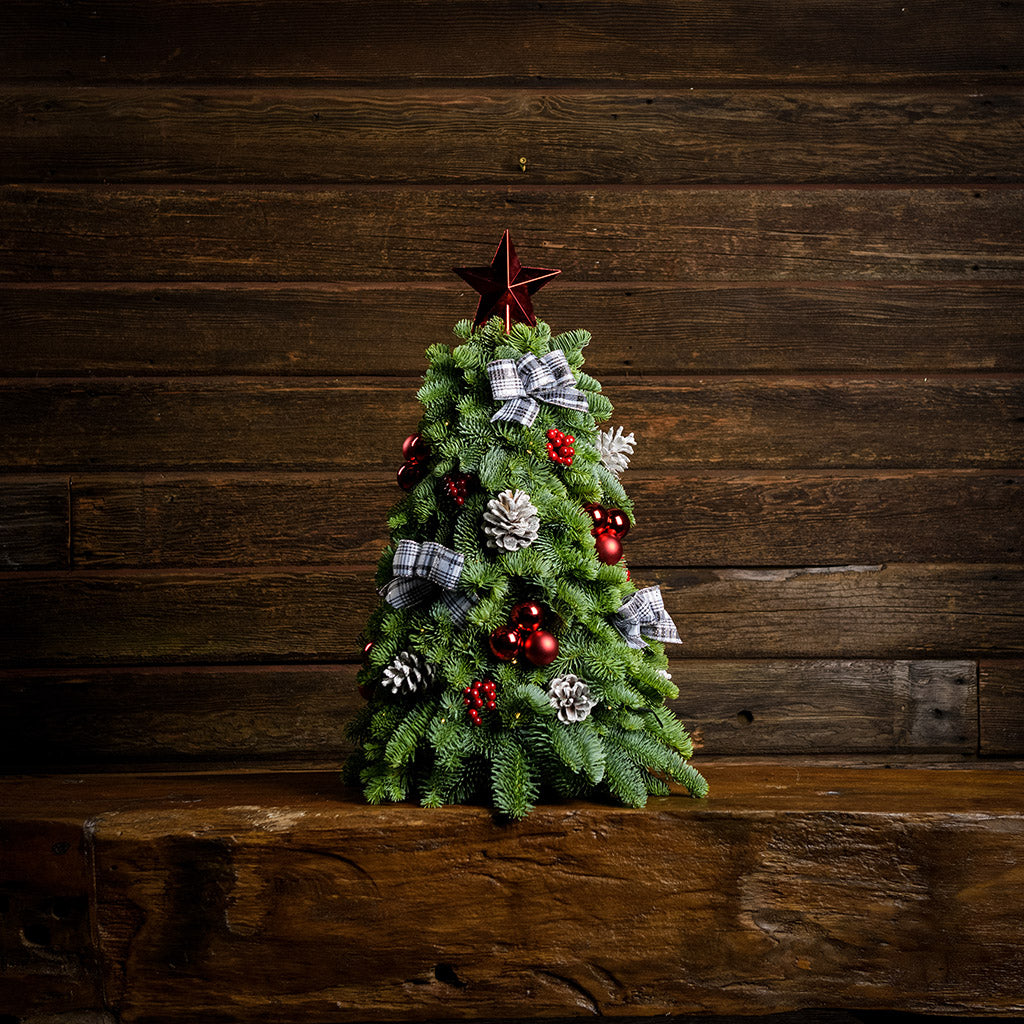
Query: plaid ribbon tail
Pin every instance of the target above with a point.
(522, 410)
(459, 606)
(630, 632)
(644, 615)
(406, 591)
(567, 398)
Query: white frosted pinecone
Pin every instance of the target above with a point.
(570, 697)
(511, 521)
(615, 449)
(407, 672)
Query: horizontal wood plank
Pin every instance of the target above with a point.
(510, 137)
(225, 616)
(359, 423)
(801, 885)
(1001, 707)
(569, 40)
(714, 519)
(230, 233)
(343, 330)
(34, 527)
(166, 718)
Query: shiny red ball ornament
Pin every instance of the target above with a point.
(527, 616)
(367, 647)
(415, 448)
(505, 643)
(616, 521)
(410, 474)
(608, 548)
(540, 648)
(596, 513)
(364, 691)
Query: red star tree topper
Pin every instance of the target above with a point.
(505, 286)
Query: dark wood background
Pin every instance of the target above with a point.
(226, 234)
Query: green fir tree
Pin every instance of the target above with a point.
(512, 659)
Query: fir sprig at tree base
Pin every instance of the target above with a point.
(512, 659)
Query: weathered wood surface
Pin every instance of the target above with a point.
(1001, 707)
(359, 423)
(560, 40)
(559, 137)
(34, 525)
(156, 520)
(805, 885)
(345, 330)
(362, 233)
(162, 718)
(227, 615)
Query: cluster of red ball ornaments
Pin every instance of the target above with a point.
(560, 447)
(480, 695)
(610, 526)
(523, 636)
(416, 451)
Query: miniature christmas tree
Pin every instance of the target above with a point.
(512, 659)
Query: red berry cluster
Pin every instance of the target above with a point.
(456, 486)
(416, 451)
(560, 447)
(479, 696)
(610, 526)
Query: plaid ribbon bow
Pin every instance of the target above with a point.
(420, 571)
(644, 613)
(524, 383)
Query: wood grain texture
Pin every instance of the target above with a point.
(1001, 707)
(809, 886)
(639, 329)
(225, 616)
(685, 519)
(34, 526)
(204, 717)
(452, 136)
(48, 959)
(569, 40)
(225, 233)
(359, 423)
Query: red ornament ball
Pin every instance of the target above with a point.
(596, 513)
(415, 448)
(410, 474)
(505, 643)
(527, 616)
(616, 521)
(364, 691)
(608, 548)
(540, 648)
(367, 647)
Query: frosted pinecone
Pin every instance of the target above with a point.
(615, 449)
(407, 672)
(570, 697)
(511, 521)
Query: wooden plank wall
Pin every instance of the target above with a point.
(226, 228)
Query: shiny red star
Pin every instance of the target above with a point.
(505, 286)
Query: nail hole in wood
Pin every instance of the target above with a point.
(36, 934)
(445, 973)
(744, 717)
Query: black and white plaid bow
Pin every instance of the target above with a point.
(644, 615)
(522, 384)
(421, 572)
